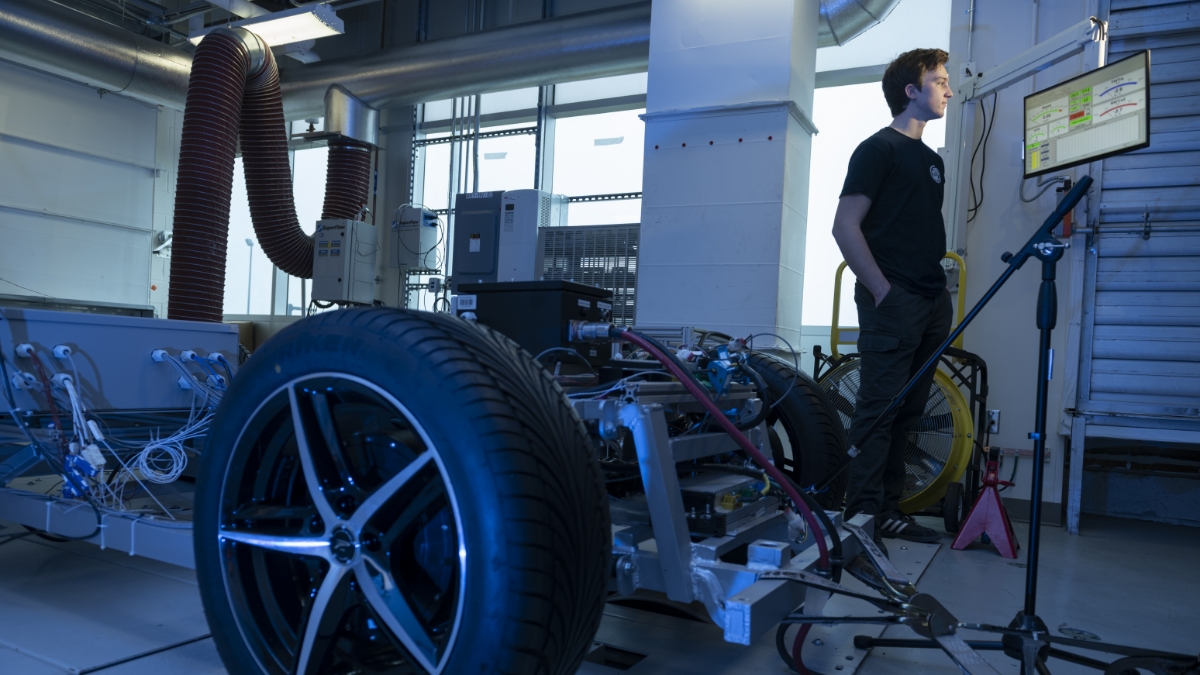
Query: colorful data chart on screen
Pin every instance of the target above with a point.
(1097, 114)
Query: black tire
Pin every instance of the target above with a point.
(494, 531)
(952, 507)
(813, 442)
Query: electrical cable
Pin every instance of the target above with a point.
(689, 382)
(795, 364)
(1049, 183)
(983, 140)
(568, 351)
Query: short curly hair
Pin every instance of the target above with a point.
(909, 68)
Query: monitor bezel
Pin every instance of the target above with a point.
(1064, 167)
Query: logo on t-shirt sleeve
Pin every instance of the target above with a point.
(937, 175)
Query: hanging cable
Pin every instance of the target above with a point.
(983, 141)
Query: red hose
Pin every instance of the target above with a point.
(224, 99)
(732, 430)
(797, 646)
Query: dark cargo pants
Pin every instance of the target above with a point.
(894, 341)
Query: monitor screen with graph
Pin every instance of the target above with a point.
(1097, 114)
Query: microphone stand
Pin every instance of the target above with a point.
(1026, 638)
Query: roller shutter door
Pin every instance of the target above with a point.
(1141, 351)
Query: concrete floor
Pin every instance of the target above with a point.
(72, 608)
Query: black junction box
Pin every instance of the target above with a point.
(537, 314)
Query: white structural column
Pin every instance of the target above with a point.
(728, 142)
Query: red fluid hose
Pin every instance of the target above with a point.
(797, 646)
(728, 426)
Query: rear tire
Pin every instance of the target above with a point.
(812, 442)
(440, 511)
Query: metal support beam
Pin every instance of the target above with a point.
(650, 437)
(168, 541)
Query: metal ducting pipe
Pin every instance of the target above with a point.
(844, 20)
(47, 36)
(576, 47)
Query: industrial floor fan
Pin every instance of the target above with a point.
(941, 443)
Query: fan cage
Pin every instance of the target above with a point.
(931, 441)
(604, 256)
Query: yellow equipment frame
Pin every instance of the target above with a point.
(960, 411)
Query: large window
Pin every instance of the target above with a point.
(600, 155)
(248, 272)
(831, 149)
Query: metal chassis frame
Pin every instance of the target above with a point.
(662, 557)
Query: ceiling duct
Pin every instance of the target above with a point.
(51, 37)
(844, 20)
(575, 47)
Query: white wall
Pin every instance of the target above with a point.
(82, 184)
(1005, 333)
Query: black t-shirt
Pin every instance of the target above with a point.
(904, 227)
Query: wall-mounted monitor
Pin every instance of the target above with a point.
(1098, 114)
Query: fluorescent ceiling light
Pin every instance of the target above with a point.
(288, 26)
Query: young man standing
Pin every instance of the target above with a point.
(889, 228)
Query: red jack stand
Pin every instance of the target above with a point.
(988, 515)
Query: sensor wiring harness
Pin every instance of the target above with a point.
(96, 466)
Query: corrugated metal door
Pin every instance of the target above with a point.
(1141, 339)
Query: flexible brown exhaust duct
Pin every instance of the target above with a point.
(235, 85)
(205, 176)
(350, 170)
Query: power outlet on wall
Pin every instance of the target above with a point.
(993, 418)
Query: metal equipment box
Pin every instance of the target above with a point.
(416, 234)
(496, 234)
(344, 261)
(112, 355)
(524, 213)
(537, 314)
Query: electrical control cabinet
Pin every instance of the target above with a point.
(344, 261)
(416, 234)
(496, 234)
(523, 213)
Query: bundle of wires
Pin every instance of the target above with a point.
(75, 453)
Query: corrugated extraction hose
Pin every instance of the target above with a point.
(269, 175)
(229, 90)
(205, 177)
(348, 180)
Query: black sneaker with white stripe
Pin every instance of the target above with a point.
(896, 525)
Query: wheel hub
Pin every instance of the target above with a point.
(343, 545)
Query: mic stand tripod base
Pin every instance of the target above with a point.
(1030, 649)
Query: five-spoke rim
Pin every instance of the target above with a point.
(340, 536)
